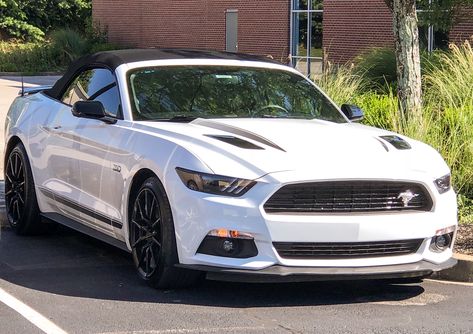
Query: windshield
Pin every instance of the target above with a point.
(188, 92)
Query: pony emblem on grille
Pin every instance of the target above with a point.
(407, 196)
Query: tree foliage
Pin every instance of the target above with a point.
(442, 14)
(31, 19)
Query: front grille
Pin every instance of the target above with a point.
(330, 250)
(349, 196)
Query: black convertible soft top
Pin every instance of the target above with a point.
(113, 59)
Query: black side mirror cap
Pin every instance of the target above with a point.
(93, 110)
(352, 112)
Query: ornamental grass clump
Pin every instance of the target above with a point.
(341, 83)
(449, 83)
(448, 100)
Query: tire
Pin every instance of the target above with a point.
(153, 241)
(20, 196)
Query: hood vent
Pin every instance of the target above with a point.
(236, 131)
(397, 142)
(235, 141)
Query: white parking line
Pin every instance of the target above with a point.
(449, 282)
(29, 314)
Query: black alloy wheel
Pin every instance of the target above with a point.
(153, 239)
(145, 233)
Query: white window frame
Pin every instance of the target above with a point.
(308, 11)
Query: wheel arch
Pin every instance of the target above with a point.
(12, 142)
(136, 182)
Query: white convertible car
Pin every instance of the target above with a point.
(225, 164)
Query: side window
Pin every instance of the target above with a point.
(95, 85)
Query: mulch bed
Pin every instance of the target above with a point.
(464, 241)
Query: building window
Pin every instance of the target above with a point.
(306, 35)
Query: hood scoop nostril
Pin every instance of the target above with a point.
(397, 142)
(235, 141)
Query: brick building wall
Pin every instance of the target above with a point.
(353, 26)
(463, 30)
(350, 26)
(263, 26)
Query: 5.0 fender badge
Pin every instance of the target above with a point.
(116, 168)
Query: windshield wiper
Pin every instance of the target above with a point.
(178, 119)
(271, 116)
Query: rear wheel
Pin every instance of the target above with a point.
(20, 197)
(152, 239)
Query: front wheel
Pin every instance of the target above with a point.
(153, 241)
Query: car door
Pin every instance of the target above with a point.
(93, 137)
(62, 181)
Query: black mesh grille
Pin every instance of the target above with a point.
(348, 196)
(330, 250)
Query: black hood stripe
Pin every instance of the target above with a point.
(236, 131)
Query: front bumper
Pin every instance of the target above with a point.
(205, 212)
(279, 273)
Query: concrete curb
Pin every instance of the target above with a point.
(28, 74)
(462, 272)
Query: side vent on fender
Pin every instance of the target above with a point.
(235, 141)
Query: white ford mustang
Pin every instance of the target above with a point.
(225, 164)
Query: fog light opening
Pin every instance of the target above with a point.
(228, 243)
(441, 242)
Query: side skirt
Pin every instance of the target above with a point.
(60, 219)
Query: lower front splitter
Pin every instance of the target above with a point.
(278, 273)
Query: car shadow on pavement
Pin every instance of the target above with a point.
(71, 264)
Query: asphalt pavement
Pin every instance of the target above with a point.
(85, 286)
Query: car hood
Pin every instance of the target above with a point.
(307, 149)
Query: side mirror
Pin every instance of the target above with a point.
(93, 110)
(353, 113)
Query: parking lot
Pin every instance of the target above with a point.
(84, 286)
(70, 282)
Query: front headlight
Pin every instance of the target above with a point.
(214, 184)
(443, 184)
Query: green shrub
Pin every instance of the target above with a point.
(52, 55)
(98, 47)
(378, 65)
(465, 209)
(30, 20)
(381, 110)
(27, 57)
(68, 44)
